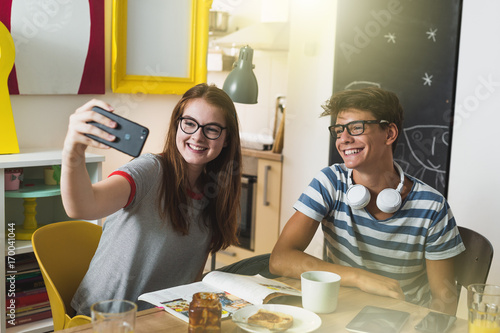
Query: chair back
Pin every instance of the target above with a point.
(473, 265)
(64, 251)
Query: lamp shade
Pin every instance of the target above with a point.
(241, 83)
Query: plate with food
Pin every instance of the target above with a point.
(275, 318)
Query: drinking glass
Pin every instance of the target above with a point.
(483, 302)
(113, 316)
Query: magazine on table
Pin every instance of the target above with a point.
(235, 292)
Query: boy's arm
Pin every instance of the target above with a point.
(441, 276)
(289, 259)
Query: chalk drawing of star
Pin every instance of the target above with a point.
(427, 79)
(391, 37)
(432, 34)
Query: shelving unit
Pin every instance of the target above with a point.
(29, 192)
(48, 209)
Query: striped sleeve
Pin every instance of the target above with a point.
(319, 197)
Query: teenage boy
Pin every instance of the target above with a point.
(385, 232)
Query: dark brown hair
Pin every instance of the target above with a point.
(221, 178)
(383, 104)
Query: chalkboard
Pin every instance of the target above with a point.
(410, 48)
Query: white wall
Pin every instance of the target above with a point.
(474, 170)
(310, 84)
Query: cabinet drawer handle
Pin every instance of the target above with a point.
(266, 178)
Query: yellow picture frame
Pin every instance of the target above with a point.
(150, 83)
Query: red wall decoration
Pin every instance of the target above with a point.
(59, 46)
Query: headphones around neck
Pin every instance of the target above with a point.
(388, 200)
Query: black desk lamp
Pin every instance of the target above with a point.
(241, 83)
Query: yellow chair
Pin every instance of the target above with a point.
(63, 251)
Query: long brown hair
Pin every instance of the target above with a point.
(221, 178)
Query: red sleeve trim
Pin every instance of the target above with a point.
(130, 181)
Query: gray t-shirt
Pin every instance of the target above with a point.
(139, 252)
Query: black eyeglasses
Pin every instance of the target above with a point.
(210, 131)
(354, 128)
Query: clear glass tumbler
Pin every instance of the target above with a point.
(113, 316)
(483, 302)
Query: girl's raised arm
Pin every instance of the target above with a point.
(81, 198)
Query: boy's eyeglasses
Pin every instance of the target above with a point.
(354, 128)
(210, 131)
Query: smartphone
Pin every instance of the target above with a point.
(130, 136)
(435, 322)
(373, 319)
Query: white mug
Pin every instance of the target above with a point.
(320, 291)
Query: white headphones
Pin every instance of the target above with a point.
(388, 200)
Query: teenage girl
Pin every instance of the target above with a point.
(164, 212)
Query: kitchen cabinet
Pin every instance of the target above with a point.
(267, 208)
(44, 206)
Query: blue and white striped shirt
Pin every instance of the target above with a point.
(423, 228)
